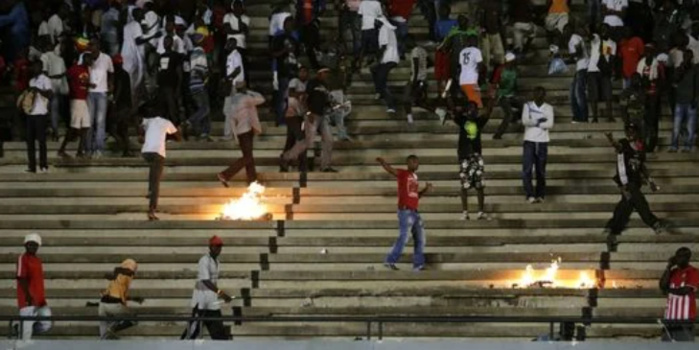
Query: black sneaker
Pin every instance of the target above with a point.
(391, 266)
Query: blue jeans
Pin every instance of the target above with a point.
(578, 96)
(97, 106)
(200, 119)
(534, 154)
(280, 100)
(684, 113)
(409, 220)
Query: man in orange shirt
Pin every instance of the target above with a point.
(557, 18)
(115, 297)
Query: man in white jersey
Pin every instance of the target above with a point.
(471, 60)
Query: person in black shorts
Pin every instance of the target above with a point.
(471, 165)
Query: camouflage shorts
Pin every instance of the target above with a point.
(471, 172)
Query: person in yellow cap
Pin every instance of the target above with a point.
(115, 297)
(206, 295)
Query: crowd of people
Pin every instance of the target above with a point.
(108, 67)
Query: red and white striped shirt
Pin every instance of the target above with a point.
(682, 307)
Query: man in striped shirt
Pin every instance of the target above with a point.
(631, 175)
(679, 282)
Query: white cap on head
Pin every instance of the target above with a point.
(32, 237)
(509, 57)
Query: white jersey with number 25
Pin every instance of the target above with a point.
(469, 58)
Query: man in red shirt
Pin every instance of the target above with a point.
(632, 48)
(79, 82)
(399, 12)
(408, 217)
(679, 282)
(30, 289)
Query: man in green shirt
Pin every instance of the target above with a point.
(505, 83)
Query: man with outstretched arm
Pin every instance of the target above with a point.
(408, 216)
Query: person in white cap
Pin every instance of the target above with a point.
(31, 299)
(505, 83)
(115, 297)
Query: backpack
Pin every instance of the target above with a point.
(25, 101)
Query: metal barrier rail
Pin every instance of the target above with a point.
(369, 320)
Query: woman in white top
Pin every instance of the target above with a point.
(40, 86)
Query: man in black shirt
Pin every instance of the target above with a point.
(120, 108)
(169, 81)
(316, 120)
(284, 51)
(471, 167)
(631, 175)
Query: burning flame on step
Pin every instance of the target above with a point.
(547, 278)
(248, 207)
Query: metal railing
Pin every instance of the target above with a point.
(368, 320)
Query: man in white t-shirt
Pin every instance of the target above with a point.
(614, 12)
(537, 119)
(205, 298)
(603, 50)
(177, 42)
(578, 96)
(415, 93)
(388, 51)
(471, 60)
(154, 131)
(101, 82)
(371, 13)
(40, 85)
(236, 24)
(55, 68)
(235, 73)
(55, 24)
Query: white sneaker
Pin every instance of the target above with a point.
(531, 200)
(410, 118)
(377, 96)
(540, 199)
(44, 170)
(483, 216)
(442, 113)
(465, 216)
(391, 111)
(96, 154)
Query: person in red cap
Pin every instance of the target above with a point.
(206, 295)
(121, 109)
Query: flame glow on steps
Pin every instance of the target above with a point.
(248, 207)
(547, 278)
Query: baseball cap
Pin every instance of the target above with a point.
(32, 237)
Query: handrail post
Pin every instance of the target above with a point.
(380, 330)
(21, 330)
(368, 330)
(551, 331)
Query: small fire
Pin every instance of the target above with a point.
(547, 278)
(248, 207)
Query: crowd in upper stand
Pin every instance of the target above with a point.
(90, 66)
